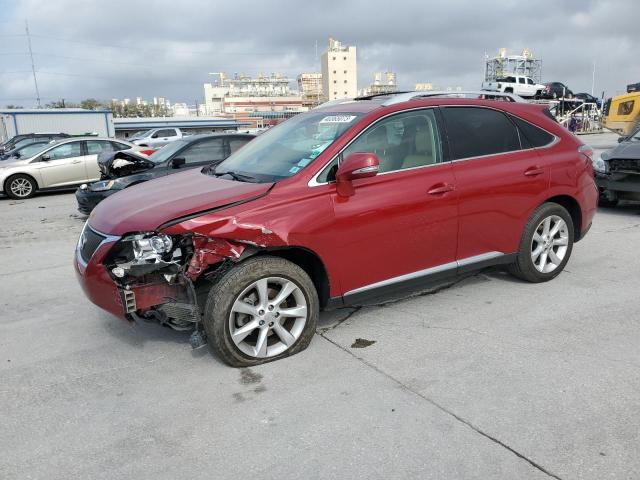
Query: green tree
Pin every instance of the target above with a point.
(91, 104)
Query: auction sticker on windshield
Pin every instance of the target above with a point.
(338, 119)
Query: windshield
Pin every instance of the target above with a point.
(284, 150)
(31, 149)
(140, 134)
(163, 154)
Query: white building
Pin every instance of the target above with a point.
(383, 82)
(339, 71)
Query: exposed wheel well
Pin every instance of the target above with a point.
(311, 264)
(572, 206)
(6, 182)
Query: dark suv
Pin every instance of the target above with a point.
(126, 168)
(340, 205)
(556, 90)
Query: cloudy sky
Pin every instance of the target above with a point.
(114, 48)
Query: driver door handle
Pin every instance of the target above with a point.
(77, 161)
(441, 189)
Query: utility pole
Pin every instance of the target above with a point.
(593, 78)
(33, 67)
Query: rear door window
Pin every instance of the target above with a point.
(169, 132)
(95, 147)
(67, 150)
(236, 143)
(476, 132)
(205, 151)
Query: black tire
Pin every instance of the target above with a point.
(13, 193)
(524, 267)
(226, 290)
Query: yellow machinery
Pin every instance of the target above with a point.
(623, 114)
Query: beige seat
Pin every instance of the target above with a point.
(423, 154)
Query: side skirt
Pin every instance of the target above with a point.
(428, 278)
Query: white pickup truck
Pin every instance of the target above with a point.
(517, 84)
(157, 137)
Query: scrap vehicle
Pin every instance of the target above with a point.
(617, 171)
(622, 113)
(351, 201)
(24, 150)
(62, 164)
(157, 137)
(555, 90)
(588, 98)
(517, 84)
(126, 168)
(25, 139)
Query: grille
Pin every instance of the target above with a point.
(624, 165)
(89, 242)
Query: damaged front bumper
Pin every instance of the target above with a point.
(151, 276)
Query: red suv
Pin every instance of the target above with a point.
(340, 205)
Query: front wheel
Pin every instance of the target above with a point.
(546, 244)
(264, 309)
(20, 187)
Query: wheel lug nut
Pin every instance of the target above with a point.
(261, 322)
(270, 307)
(277, 314)
(271, 324)
(260, 312)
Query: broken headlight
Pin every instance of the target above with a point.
(143, 253)
(150, 248)
(102, 186)
(599, 165)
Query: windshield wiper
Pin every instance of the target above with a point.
(236, 176)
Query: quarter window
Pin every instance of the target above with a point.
(170, 132)
(530, 135)
(475, 132)
(236, 143)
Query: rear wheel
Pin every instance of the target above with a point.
(264, 309)
(20, 187)
(546, 244)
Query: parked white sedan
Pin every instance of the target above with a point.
(61, 164)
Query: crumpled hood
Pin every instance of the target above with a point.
(146, 206)
(624, 151)
(111, 163)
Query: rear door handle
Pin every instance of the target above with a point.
(441, 188)
(533, 171)
(77, 161)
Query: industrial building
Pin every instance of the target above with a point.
(383, 82)
(504, 64)
(339, 71)
(310, 87)
(242, 94)
(74, 121)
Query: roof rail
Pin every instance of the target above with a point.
(406, 96)
(331, 103)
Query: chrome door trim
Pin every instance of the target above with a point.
(428, 271)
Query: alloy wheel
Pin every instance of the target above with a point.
(549, 244)
(21, 187)
(268, 317)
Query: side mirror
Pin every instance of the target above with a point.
(45, 157)
(356, 165)
(621, 139)
(177, 162)
(155, 135)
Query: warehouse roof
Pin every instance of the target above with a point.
(184, 122)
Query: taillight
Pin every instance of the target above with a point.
(586, 150)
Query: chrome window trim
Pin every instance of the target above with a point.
(314, 180)
(107, 239)
(428, 271)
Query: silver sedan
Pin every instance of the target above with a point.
(58, 165)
